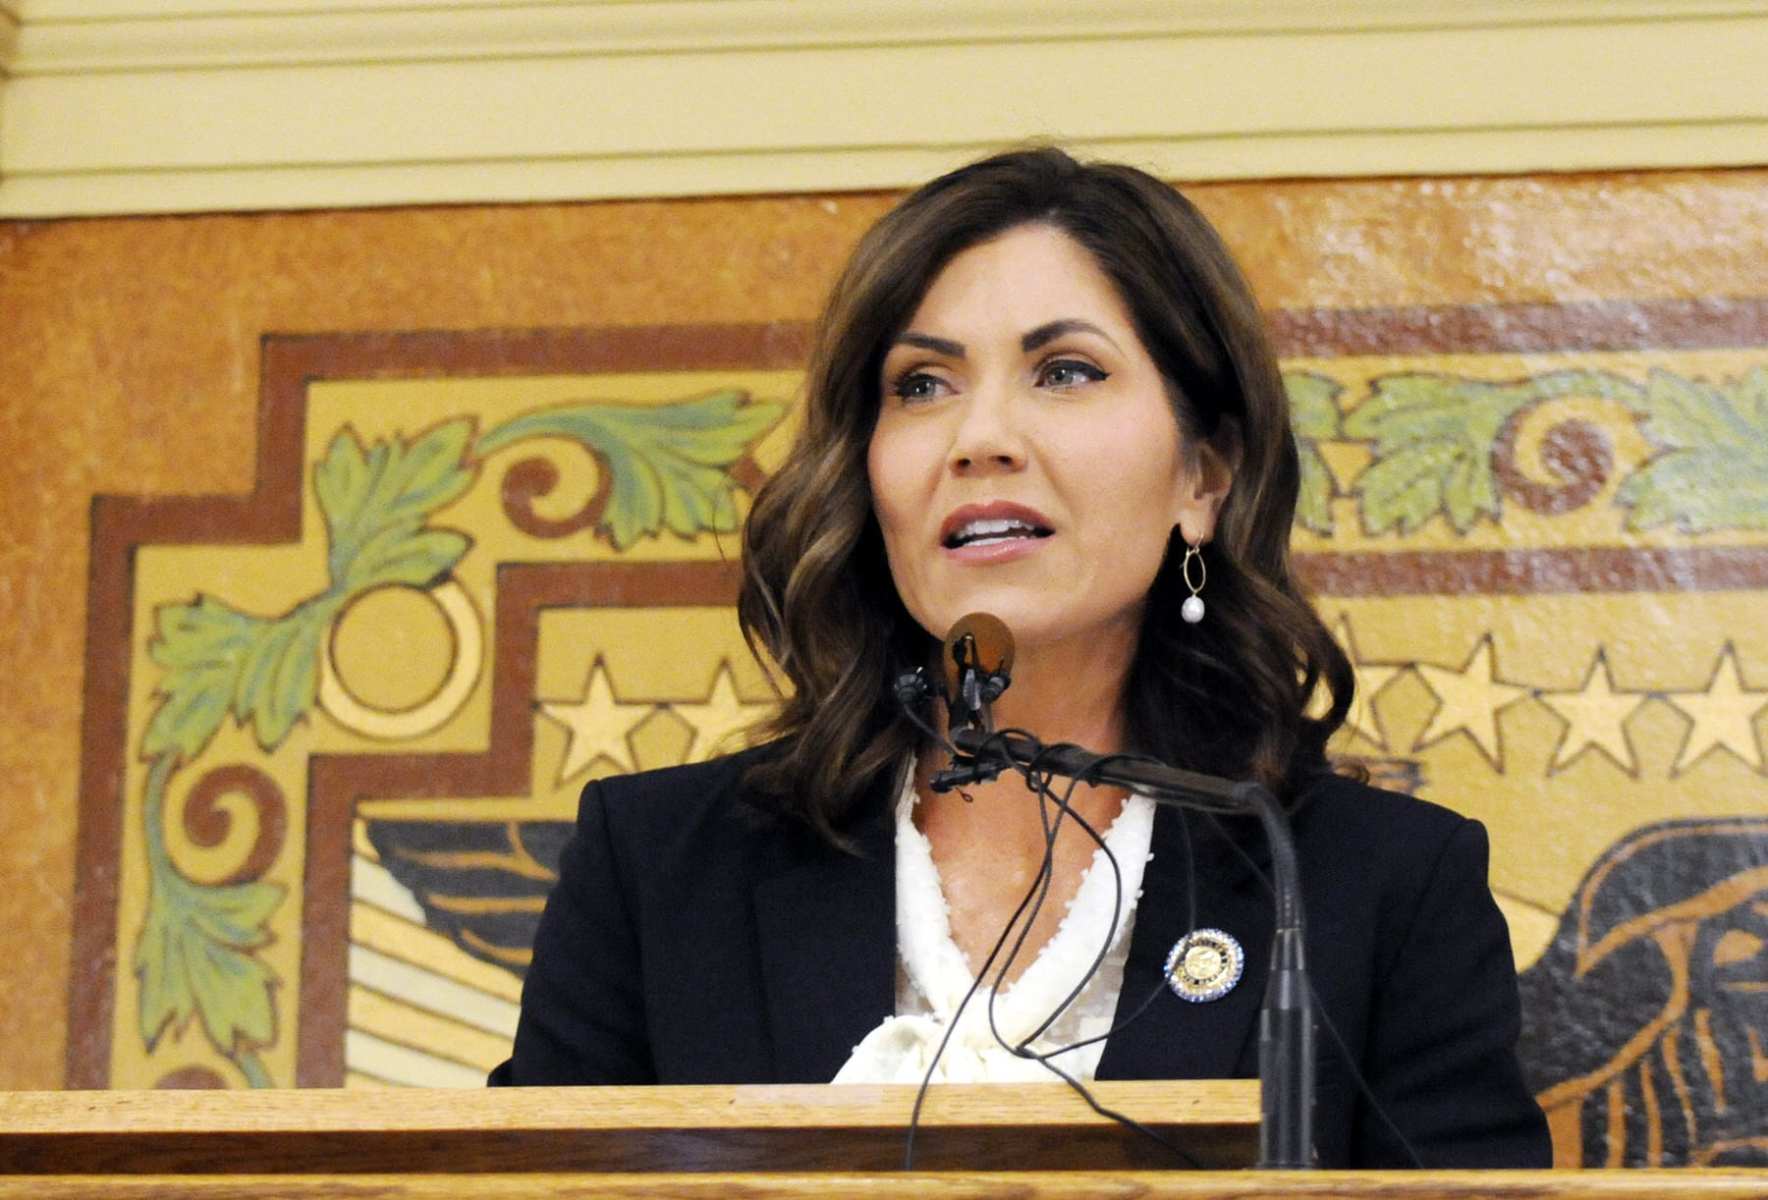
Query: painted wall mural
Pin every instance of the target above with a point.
(336, 728)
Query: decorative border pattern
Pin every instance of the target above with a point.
(271, 514)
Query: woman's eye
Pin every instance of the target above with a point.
(1067, 372)
(916, 385)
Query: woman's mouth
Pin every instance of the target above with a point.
(993, 531)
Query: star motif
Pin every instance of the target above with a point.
(1594, 715)
(1724, 714)
(1371, 678)
(722, 714)
(1468, 702)
(598, 725)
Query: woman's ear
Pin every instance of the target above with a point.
(1210, 476)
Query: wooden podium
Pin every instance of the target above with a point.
(1038, 1140)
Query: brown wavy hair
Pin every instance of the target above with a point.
(1226, 696)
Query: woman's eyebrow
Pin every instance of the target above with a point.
(927, 341)
(1051, 330)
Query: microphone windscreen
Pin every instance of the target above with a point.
(994, 647)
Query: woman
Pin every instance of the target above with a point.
(1040, 390)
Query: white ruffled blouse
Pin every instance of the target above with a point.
(932, 975)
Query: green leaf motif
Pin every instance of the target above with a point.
(266, 669)
(376, 500)
(1433, 437)
(186, 970)
(219, 660)
(195, 954)
(202, 647)
(1712, 472)
(1313, 412)
(669, 463)
(280, 676)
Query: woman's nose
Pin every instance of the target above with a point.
(987, 437)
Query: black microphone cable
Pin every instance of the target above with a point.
(1034, 897)
(1190, 926)
(1325, 1020)
(908, 1154)
(1022, 1049)
(1040, 883)
(1190, 887)
(1190, 893)
(1041, 786)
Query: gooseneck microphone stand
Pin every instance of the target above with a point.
(1286, 1023)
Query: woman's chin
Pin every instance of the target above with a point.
(1030, 625)
(1037, 613)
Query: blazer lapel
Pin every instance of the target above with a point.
(827, 931)
(1176, 1038)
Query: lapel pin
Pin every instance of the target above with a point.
(1204, 965)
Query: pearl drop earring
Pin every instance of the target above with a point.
(1192, 609)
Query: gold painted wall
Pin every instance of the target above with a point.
(129, 364)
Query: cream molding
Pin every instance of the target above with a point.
(84, 36)
(113, 106)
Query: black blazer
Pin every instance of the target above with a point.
(691, 938)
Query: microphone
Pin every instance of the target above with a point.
(978, 667)
(978, 656)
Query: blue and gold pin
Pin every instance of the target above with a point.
(1204, 965)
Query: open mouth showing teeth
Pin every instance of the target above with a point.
(990, 533)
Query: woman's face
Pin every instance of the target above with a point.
(1026, 460)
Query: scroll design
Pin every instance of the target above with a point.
(207, 824)
(663, 466)
(532, 479)
(1576, 454)
(1434, 437)
(1449, 445)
